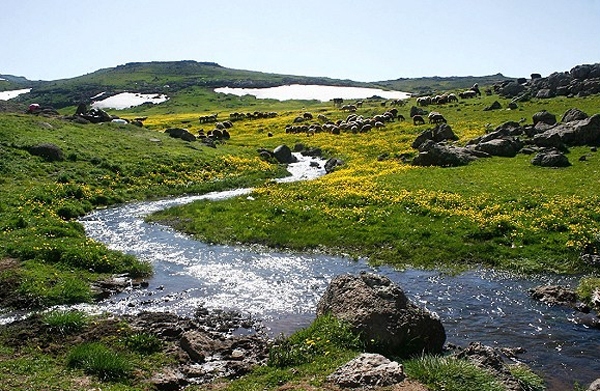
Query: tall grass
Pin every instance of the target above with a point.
(99, 360)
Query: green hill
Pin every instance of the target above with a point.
(177, 77)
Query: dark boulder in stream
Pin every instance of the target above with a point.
(380, 312)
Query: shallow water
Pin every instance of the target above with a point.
(316, 92)
(284, 288)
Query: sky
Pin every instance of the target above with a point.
(365, 40)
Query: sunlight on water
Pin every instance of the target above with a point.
(283, 289)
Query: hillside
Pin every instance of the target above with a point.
(173, 77)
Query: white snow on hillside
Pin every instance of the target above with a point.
(6, 95)
(127, 100)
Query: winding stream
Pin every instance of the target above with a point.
(282, 289)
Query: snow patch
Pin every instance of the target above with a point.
(6, 95)
(310, 92)
(127, 100)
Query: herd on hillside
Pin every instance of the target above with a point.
(310, 124)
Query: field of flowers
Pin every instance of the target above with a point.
(501, 212)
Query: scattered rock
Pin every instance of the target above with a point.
(551, 157)
(332, 164)
(506, 147)
(283, 154)
(368, 370)
(494, 106)
(573, 115)
(180, 133)
(545, 117)
(441, 132)
(382, 315)
(441, 155)
(489, 358)
(48, 151)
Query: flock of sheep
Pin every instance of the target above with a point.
(353, 122)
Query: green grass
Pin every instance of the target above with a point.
(497, 212)
(65, 322)
(99, 360)
(449, 374)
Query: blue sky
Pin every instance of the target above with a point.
(367, 40)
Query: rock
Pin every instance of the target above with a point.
(506, 147)
(494, 106)
(433, 154)
(332, 164)
(168, 380)
(379, 311)
(513, 106)
(489, 358)
(574, 133)
(283, 154)
(180, 133)
(511, 90)
(48, 151)
(551, 157)
(441, 132)
(368, 370)
(545, 117)
(595, 386)
(544, 93)
(554, 294)
(573, 115)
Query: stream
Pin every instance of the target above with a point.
(282, 289)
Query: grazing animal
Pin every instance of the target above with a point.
(418, 120)
(436, 118)
(452, 98)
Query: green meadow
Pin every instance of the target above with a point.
(496, 212)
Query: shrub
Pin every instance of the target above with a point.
(65, 322)
(97, 359)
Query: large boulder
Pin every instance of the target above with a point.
(550, 157)
(573, 115)
(505, 147)
(441, 132)
(441, 155)
(545, 117)
(284, 155)
(574, 133)
(180, 133)
(379, 311)
(368, 370)
(48, 151)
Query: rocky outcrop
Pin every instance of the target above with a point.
(507, 146)
(379, 311)
(554, 294)
(574, 133)
(368, 370)
(581, 80)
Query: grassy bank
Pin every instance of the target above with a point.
(102, 165)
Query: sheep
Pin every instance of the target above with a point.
(418, 120)
(452, 97)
